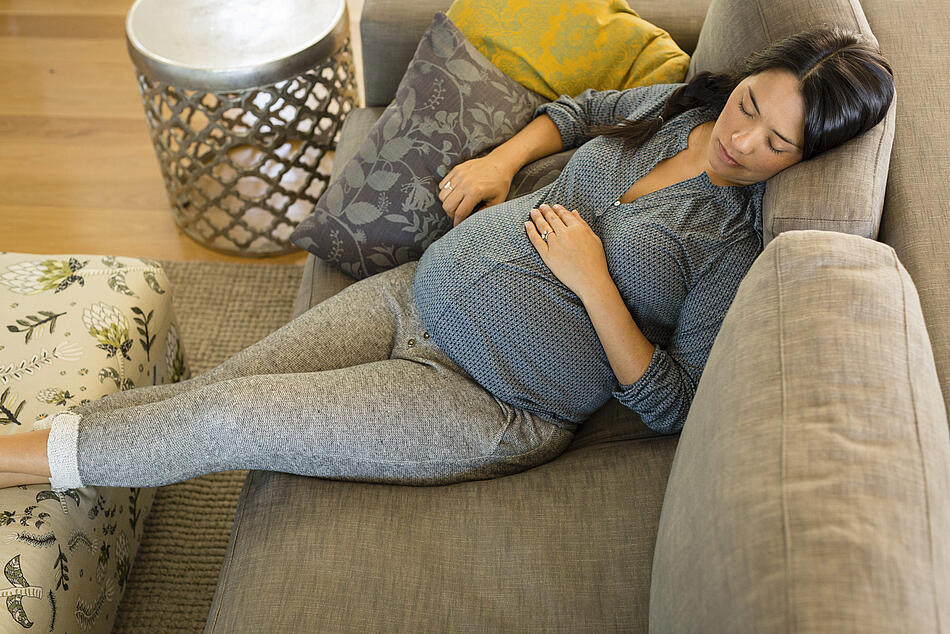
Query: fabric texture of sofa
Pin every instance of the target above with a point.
(809, 488)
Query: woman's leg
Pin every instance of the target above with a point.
(400, 421)
(18, 479)
(354, 326)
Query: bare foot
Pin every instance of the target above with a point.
(18, 479)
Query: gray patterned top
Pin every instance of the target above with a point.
(677, 256)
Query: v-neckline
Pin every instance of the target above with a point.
(682, 144)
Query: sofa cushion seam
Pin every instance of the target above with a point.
(765, 24)
(313, 274)
(854, 16)
(848, 220)
(877, 162)
(920, 448)
(783, 452)
(234, 537)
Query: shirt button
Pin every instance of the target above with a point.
(425, 335)
(616, 202)
(412, 342)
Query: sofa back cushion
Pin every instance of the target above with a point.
(840, 190)
(809, 488)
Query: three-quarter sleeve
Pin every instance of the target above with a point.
(663, 394)
(574, 115)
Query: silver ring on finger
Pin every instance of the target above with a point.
(448, 186)
(544, 235)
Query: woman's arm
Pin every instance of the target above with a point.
(536, 140)
(488, 179)
(575, 255)
(560, 125)
(657, 383)
(575, 116)
(628, 351)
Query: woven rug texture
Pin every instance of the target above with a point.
(221, 308)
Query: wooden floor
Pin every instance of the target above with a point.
(77, 170)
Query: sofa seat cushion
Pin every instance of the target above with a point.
(809, 489)
(564, 547)
(77, 327)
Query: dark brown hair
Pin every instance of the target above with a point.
(846, 84)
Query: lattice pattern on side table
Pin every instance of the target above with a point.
(243, 168)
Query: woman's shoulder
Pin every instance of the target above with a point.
(649, 97)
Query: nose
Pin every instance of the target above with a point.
(743, 141)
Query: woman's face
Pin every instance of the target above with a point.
(761, 128)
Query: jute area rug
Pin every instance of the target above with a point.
(221, 308)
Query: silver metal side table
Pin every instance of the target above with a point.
(244, 100)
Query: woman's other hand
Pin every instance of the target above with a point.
(485, 179)
(573, 252)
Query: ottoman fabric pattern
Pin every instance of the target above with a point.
(76, 327)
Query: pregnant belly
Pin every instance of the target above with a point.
(527, 339)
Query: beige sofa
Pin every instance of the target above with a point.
(809, 490)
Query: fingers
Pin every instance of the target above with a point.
(541, 223)
(535, 237)
(558, 217)
(446, 188)
(447, 180)
(456, 201)
(464, 209)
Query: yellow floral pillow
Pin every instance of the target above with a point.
(563, 47)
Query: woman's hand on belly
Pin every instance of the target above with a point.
(573, 252)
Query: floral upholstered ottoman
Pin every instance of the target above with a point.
(76, 327)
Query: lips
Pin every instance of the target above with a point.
(728, 160)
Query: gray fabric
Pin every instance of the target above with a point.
(611, 423)
(390, 31)
(676, 255)
(351, 389)
(841, 190)
(564, 547)
(682, 19)
(452, 105)
(916, 41)
(318, 282)
(809, 489)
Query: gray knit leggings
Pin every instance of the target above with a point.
(352, 389)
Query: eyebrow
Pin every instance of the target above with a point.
(777, 133)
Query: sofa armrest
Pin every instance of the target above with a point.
(809, 488)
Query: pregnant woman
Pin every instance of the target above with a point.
(482, 359)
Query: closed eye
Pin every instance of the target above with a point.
(749, 114)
